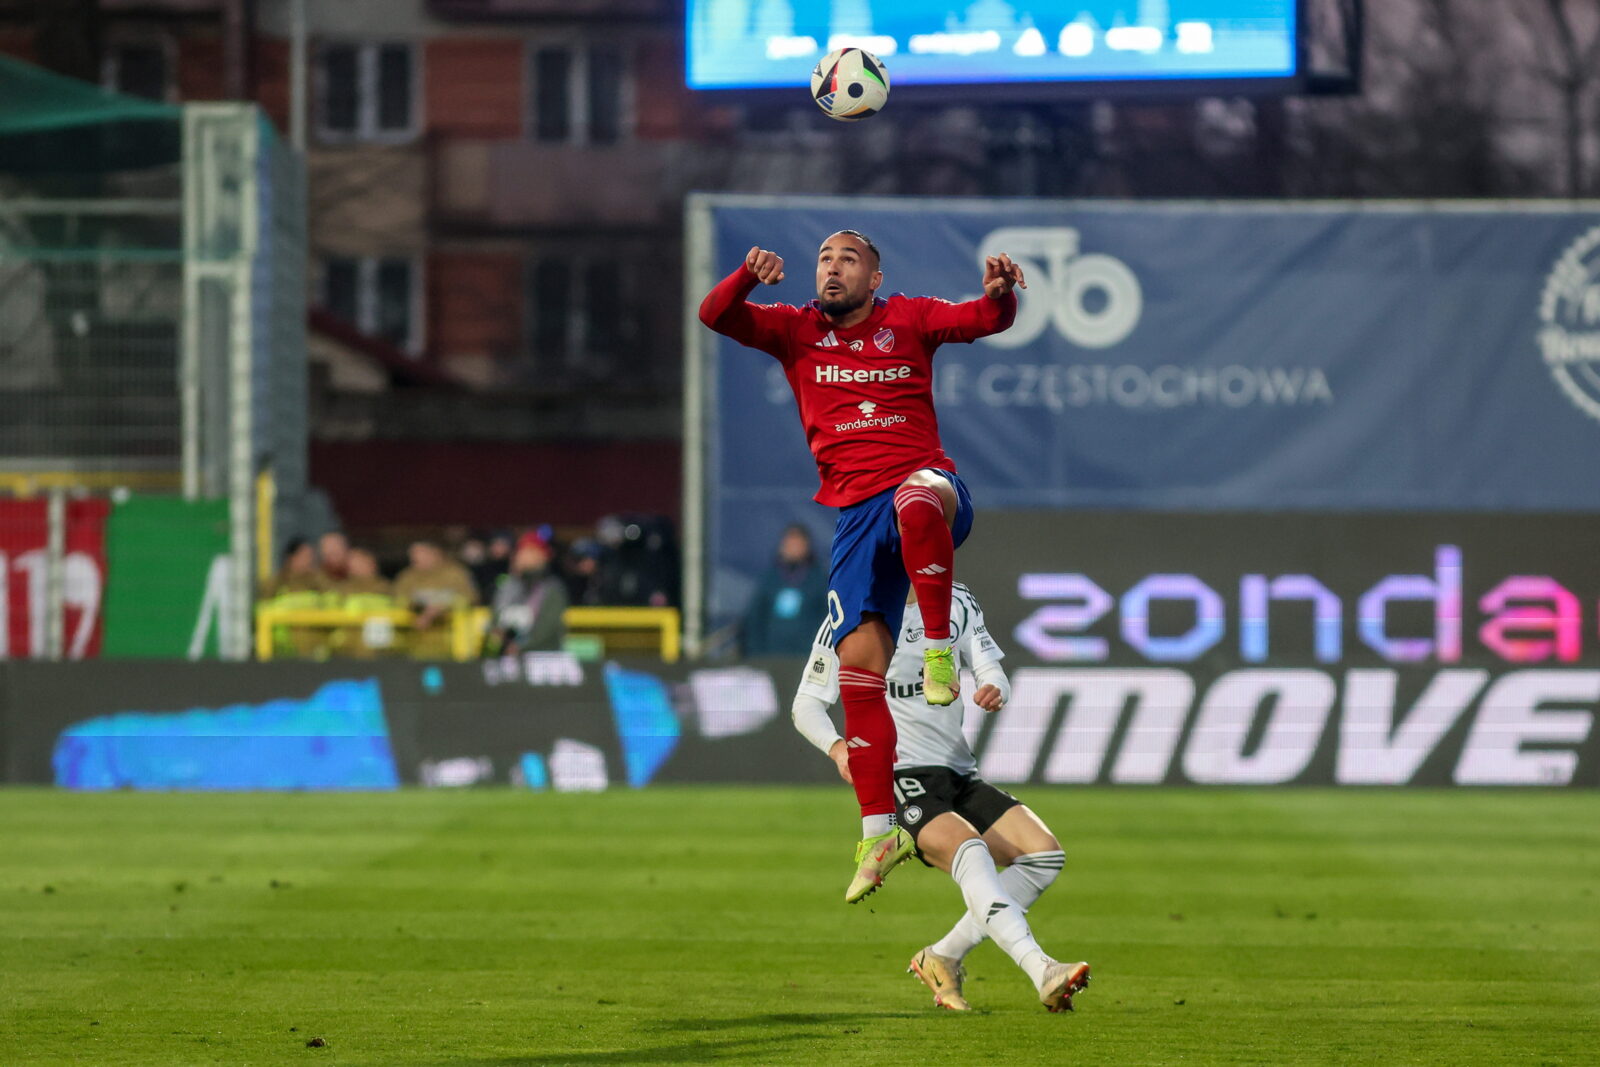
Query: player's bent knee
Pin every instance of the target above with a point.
(939, 484)
(938, 840)
(868, 646)
(1018, 832)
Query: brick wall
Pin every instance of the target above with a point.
(200, 74)
(474, 303)
(474, 87)
(272, 79)
(568, 483)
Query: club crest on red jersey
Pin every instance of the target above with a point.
(884, 339)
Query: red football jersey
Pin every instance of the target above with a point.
(865, 393)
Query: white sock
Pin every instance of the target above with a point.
(1026, 880)
(873, 825)
(999, 914)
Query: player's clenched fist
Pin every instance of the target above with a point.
(988, 698)
(999, 275)
(768, 266)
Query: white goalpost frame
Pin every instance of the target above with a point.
(698, 362)
(206, 214)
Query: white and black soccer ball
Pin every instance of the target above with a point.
(850, 84)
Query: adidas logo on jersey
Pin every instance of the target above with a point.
(829, 341)
(833, 374)
(856, 742)
(931, 570)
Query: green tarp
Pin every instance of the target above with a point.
(50, 124)
(33, 99)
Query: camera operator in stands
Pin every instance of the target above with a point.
(528, 602)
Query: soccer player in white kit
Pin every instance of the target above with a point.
(961, 824)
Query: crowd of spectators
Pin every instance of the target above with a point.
(526, 579)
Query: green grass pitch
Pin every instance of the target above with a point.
(707, 925)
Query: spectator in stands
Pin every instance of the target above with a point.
(333, 550)
(488, 556)
(298, 586)
(580, 569)
(789, 601)
(363, 581)
(298, 576)
(639, 561)
(528, 604)
(473, 552)
(363, 591)
(433, 584)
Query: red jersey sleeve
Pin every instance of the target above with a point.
(943, 321)
(763, 326)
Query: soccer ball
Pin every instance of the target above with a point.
(850, 84)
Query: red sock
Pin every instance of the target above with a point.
(929, 555)
(869, 733)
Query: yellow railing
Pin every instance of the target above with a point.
(25, 484)
(658, 630)
(466, 625)
(627, 629)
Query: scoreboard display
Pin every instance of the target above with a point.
(761, 44)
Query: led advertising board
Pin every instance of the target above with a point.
(764, 44)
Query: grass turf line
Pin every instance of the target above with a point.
(681, 925)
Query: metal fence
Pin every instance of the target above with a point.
(152, 341)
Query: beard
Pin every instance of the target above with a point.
(840, 303)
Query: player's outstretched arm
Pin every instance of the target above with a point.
(990, 313)
(727, 310)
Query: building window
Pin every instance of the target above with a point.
(579, 95)
(366, 92)
(376, 295)
(583, 318)
(139, 68)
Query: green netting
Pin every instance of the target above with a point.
(33, 100)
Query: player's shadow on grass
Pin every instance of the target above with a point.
(793, 1018)
(700, 1051)
(688, 1052)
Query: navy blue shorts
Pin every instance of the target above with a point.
(867, 573)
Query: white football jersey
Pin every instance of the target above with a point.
(929, 736)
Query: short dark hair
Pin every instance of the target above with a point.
(877, 258)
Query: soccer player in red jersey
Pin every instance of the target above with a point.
(861, 368)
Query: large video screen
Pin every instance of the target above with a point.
(762, 44)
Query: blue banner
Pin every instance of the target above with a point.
(1202, 357)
